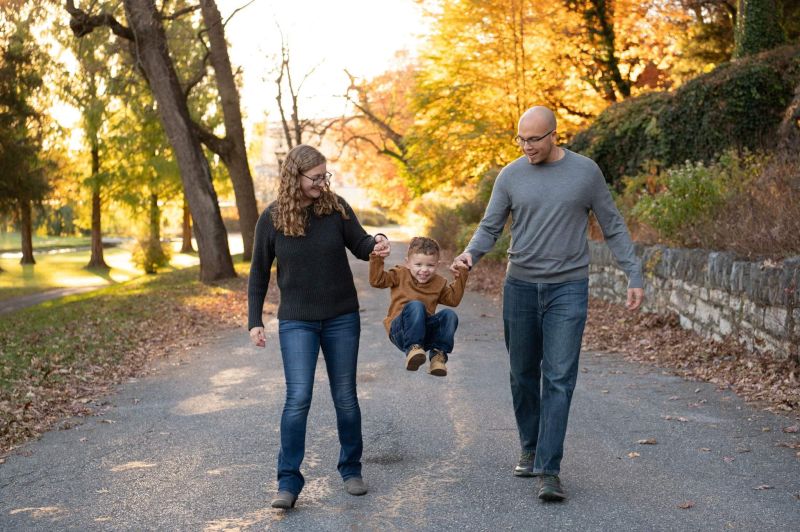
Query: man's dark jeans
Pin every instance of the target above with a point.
(543, 325)
(414, 326)
(300, 345)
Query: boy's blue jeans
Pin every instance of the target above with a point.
(543, 325)
(414, 326)
(300, 344)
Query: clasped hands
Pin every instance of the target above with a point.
(382, 246)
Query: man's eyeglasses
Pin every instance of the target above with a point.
(521, 142)
(317, 179)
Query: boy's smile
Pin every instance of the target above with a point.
(421, 266)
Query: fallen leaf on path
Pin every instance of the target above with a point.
(648, 441)
(633, 454)
(764, 487)
(675, 418)
(789, 444)
(791, 429)
(697, 390)
(686, 505)
(766, 429)
(603, 391)
(705, 449)
(728, 459)
(743, 450)
(674, 398)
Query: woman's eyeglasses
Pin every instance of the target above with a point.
(317, 179)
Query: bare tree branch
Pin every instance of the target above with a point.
(81, 23)
(179, 13)
(218, 145)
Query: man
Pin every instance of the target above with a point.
(548, 192)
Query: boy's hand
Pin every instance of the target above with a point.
(382, 246)
(459, 269)
(462, 261)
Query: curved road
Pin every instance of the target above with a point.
(193, 447)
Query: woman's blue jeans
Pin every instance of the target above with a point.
(414, 326)
(543, 325)
(300, 344)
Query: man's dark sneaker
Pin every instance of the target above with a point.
(525, 466)
(550, 489)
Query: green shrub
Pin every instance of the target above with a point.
(443, 223)
(373, 217)
(679, 202)
(500, 250)
(151, 254)
(737, 105)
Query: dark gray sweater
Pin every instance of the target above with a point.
(549, 204)
(314, 277)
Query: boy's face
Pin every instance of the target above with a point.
(422, 266)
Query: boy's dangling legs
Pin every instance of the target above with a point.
(407, 332)
(439, 339)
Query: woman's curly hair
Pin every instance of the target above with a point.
(289, 216)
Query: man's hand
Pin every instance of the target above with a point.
(462, 261)
(258, 337)
(382, 246)
(635, 298)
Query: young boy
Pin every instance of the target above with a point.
(412, 322)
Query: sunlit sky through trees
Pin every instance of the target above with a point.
(327, 37)
(359, 35)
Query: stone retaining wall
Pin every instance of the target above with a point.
(713, 293)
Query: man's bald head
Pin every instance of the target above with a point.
(536, 135)
(538, 118)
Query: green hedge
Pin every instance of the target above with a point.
(738, 105)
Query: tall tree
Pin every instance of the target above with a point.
(599, 32)
(231, 149)
(90, 92)
(150, 49)
(758, 26)
(23, 180)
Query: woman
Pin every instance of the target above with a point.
(308, 229)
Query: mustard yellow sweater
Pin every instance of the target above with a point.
(405, 288)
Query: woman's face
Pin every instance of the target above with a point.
(313, 189)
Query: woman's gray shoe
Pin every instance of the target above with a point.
(284, 500)
(525, 466)
(550, 489)
(355, 486)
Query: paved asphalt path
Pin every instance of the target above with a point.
(193, 447)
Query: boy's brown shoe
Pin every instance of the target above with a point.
(438, 367)
(415, 358)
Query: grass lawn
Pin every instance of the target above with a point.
(11, 242)
(68, 269)
(56, 355)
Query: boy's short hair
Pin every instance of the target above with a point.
(424, 245)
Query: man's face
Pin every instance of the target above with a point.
(538, 146)
(422, 266)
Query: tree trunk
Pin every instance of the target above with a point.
(96, 260)
(26, 231)
(152, 52)
(186, 246)
(235, 158)
(758, 27)
(155, 220)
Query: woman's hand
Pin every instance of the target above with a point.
(258, 337)
(382, 246)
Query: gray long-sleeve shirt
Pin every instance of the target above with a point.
(549, 204)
